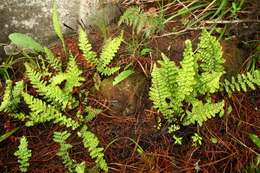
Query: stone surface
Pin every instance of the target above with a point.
(124, 98)
(33, 17)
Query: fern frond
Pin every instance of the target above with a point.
(186, 75)
(242, 82)
(60, 138)
(108, 53)
(24, 154)
(209, 52)
(52, 60)
(202, 112)
(50, 92)
(141, 21)
(7, 96)
(91, 142)
(12, 96)
(208, 82)
(86, 47)
(73, 74)
(91, 113)
(159, 93)
(41, 112)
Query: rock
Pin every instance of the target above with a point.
(233, 57)
(33, 17)
(124, 98)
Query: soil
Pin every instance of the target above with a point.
(128, 116)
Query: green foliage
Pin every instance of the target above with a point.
(53, 61)
(91, 142)
(177, 91)
(202, 112)
(145, 22)
(122, 76)
(57, 24)
(8, 134)
(25, 42)
(41, 112)
(50, 97)
(108, 53)
(60, 138)
(255, 139)
(24, 154)
(242, 82)
(196, 139)
(11, 96)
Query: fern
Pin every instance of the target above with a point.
(52, 60)
(24, 154)
(202, 112)
(60, 138)
(161, 92)
(52, 93)
(7, 96)
(86, 47)
(73, 74)
(186, 75)
(242, 82)
(90, 141)
(41, 112)
(12, 96)
(108, 53)
(176, 90)
(141, 21)
(209, 53)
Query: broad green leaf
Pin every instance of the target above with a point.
(123, 75)
(7, 134)
(255, 139)
(25, 42)
(56, 23)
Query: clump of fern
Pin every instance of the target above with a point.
(46, 95)
(108, 52)
(182, 94)
(142, 22)
(24, 154)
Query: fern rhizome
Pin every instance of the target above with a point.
(183, 94)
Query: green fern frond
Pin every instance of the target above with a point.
(91, 142)
(12, 96)
(108, 53)
(209, 52)
(41, 112)
(73, 74)
(60, 138)
(142, 21)
(91, 113)
(24, 154)
(7, 96)
(86, 47)
(50, 92)
(202, 112)
(242, 82)
(208, 82)
(52, 60)
(186, 75)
